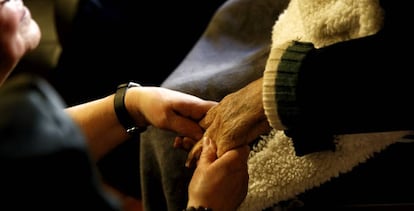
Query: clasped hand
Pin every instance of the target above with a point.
(237, 120)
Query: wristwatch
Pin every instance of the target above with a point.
(122, 113)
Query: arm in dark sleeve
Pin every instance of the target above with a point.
(361, 85)
(44, 160)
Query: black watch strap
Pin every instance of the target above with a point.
(120, 110)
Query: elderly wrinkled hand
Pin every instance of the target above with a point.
(237, 120)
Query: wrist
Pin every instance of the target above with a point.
(134, 100)
(123, 115)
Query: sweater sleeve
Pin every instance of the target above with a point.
(361, 85)
(283, 104)
(43, 154)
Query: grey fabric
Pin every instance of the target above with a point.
(230, 54)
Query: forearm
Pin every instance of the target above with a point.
(100, 125)
(160, 107)
(339, 84)
(339, 89)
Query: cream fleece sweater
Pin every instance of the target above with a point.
(276, 173)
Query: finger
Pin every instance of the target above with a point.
(240, 153)
(188, 143)
(186, 127)
(178, 142)
(194, 154)
(207, 120)
(184, 143)
(208, 153)
(194, 109)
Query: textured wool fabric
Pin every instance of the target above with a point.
(276, 172)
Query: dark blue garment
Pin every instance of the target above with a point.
(43, 156)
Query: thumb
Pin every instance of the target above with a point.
(208, 153)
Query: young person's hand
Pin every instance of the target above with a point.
(219, 183)
(168, 109)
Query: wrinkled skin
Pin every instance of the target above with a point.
(237, 120)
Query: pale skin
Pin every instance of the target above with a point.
(20, 34)
(160, 107)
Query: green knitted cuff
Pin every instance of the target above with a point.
(286, 82)
(269, 85)
(299, 126)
